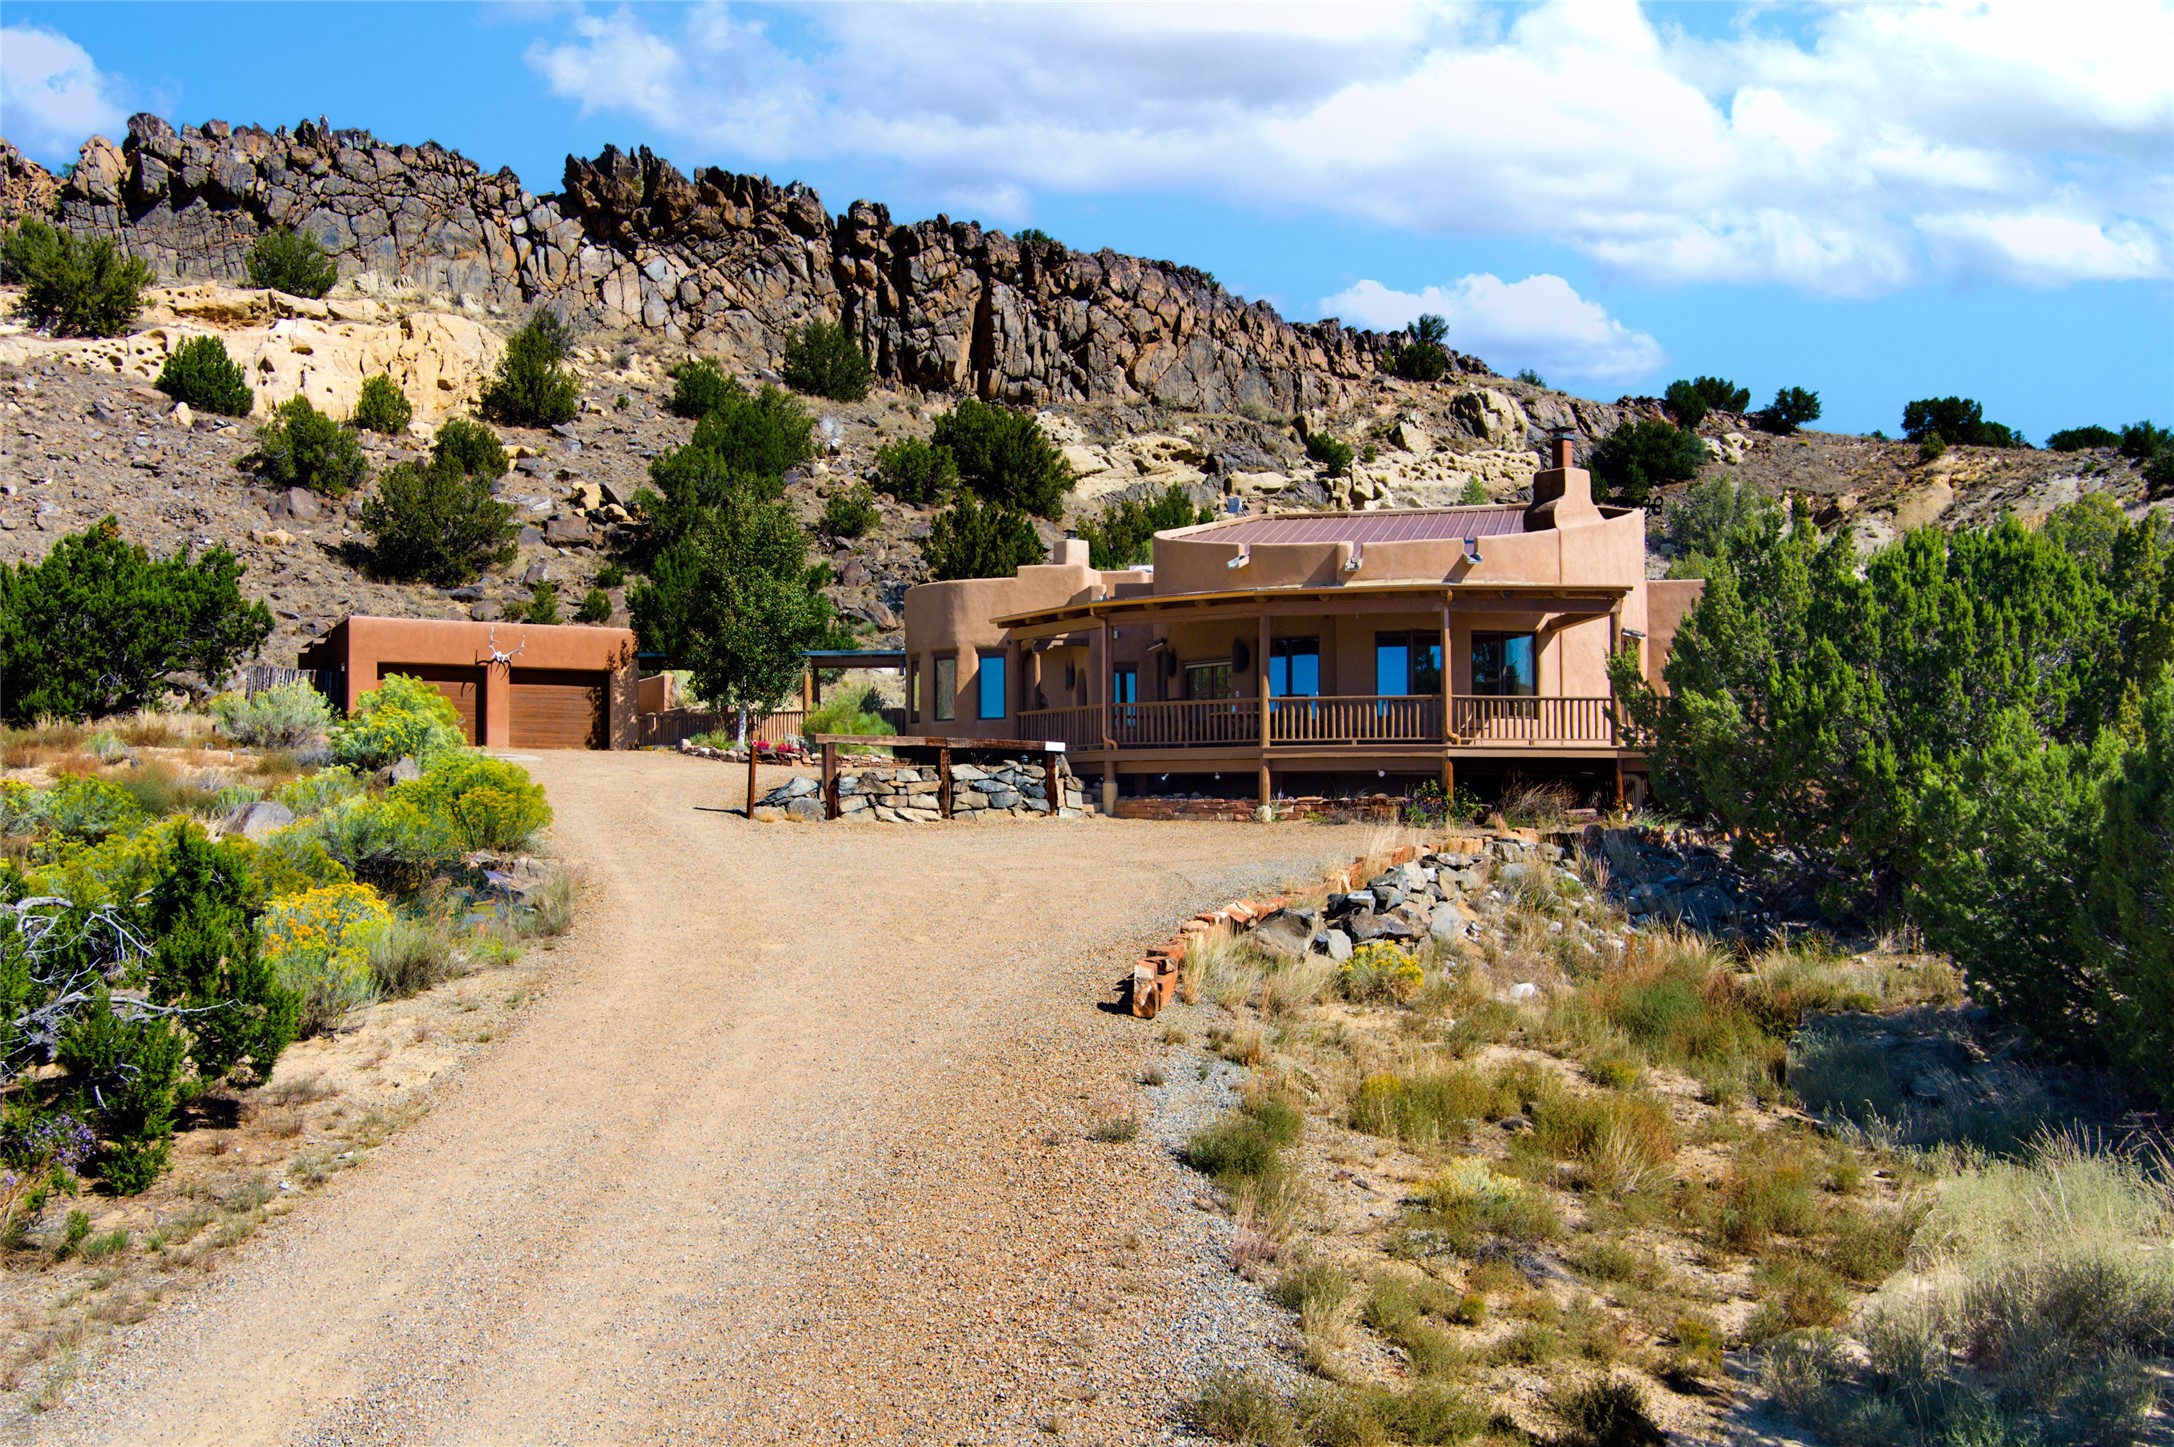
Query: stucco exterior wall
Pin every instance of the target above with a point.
(355, 656)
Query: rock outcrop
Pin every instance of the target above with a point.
(726, 263)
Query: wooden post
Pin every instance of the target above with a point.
(1268, 787)
(830, 781)
(750, 776)
(1052, 788)
(1619, 783)
(1449, 671)
(1105, 683)
(943, 782)
(1260, 674)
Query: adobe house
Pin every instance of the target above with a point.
(1314, 652)
(516, 685)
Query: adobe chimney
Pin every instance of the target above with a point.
(1562, 495)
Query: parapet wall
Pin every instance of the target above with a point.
(729, 264)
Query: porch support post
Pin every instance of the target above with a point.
(1105, 676)
(1449, 777)
(1260, 679)
(1449, 670)
(1268, 786)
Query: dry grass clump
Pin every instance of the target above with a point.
(2039, 1306)
(1236, 1408)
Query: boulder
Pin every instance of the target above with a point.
(1284, 933)
(1336, 945)
(804, 808)
(405, 771)
(254, 821)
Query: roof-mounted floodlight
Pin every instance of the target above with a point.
(1358, 555)
(1472, 551)
(1243, 556)
(1637, 633)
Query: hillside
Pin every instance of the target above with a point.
(1146, 373)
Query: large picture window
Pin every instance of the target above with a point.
(990, 681)
(1209, 680)
(946, 701)
(1407, 663)
(1504, 664)
(1294, 668)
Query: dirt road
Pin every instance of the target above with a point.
(795, 1148)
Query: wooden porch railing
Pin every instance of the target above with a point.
(1352, 720)
(1540, 719)
(674, 725)
(1076, 728)
(1361, 719)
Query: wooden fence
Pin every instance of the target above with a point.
(671, 726)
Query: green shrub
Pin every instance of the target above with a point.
(1431, 1107)
(1233, 1149)
(201, 374)
(395, 841)
(1231, 1408)
(1689, 402)
(1639, 456)
(290, 261)
(764, 434)
(302, 447)
(1700, 521)
(1124, 535)
(469, 448)
(972, 539)
(824, 359)
(532, 387)
(1424, 358)
(1531, 378)
(402, 718)
(100, 627)
(1933, 447)
(1334, 455)
(1791, 408)
(700, 387)
(436, 524)
(1469, 1207)
(542, 606)
(71, 287)
(83, 809)
(1959, 421)
(311, 793)
(850, 712)
(382, 407)
(1475, 493)
(912, 470)
(849, 514)
(410, 955)
(289, 716)
(1609, 1413)
(2081, 439)
(612, 574)
(487, 803)
(595, 607)
(1003, 457)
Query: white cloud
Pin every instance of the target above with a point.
(1540, 322)
(1852, 162)
(52, 97)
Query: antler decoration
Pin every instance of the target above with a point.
(498, 657)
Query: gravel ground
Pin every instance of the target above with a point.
(795, 1149)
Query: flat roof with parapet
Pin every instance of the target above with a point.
(1399, 525)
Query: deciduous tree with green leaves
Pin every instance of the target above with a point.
(736, 602)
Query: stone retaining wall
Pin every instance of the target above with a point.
(728, 264)
(910, 794)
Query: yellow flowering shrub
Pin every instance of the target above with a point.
(1380, 971)
(319, 942)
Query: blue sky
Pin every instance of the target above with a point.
(1878, 203)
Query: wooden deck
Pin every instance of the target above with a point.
(1358, 724)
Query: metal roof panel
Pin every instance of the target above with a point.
(1394, 525)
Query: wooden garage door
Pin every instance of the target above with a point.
(463, 685)
(556, 708)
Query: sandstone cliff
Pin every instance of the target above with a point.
(723, 263)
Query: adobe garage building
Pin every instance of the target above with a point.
(1307, 653)
(516, 685)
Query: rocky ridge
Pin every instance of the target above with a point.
(725, 263)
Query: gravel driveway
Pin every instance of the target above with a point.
(794, 1149)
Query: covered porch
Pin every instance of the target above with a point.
(1410, 678)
